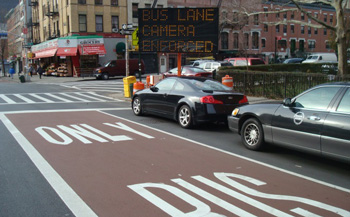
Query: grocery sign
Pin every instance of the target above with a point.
(178, 30)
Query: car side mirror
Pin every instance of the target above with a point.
(287, 102)
(154, 89)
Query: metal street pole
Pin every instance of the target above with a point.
(127, 55)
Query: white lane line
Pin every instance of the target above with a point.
(57, 97)
(41, 98)
(95, 94)
(90, 97)
(6, 99)
(74, 97)
(66, 193)
(25, 99)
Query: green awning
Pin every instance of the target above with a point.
(120, 48)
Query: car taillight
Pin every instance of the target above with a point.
(244, 100)
(210, 100)
(197, 75)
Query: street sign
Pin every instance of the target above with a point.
(179, 30)
(135, 37)
(126, 32)
(127, 26)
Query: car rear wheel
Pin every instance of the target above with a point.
(252, 134)
(185, 117)
(105, 76)
(136, 106)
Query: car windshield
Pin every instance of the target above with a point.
(241, 62)
(208, 85)
(106, 64)
(196, 70)
(312, 58)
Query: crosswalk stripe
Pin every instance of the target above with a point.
(6, 99)
(25, 99)
(73, 97)
(41, 98)
(90, 97)
(57, 97)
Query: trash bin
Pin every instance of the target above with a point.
(22, 79)
(128, 84)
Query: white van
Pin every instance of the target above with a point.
(321, 58)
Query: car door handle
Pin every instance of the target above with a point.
(314, 118)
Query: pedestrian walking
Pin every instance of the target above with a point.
(31, 70)
(40, 71)
(12, 72)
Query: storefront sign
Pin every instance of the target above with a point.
(47, 45)
(178, 30)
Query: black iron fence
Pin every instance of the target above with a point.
(277, 85)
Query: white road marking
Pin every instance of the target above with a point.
(25, 99)
(41, 98)
(6, 99)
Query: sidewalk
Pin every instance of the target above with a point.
(57, 80)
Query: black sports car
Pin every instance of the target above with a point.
(188, 100)
(317, 121)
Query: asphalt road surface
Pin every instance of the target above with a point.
(90, 156)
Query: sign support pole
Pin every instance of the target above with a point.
(179, 64)
(127, 55)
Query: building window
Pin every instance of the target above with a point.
(114, 2)
(285, 29)
(292, 15)
(115, 22)
(246, 19)
(83, 2)
(224, 40)
(235, 17)
(277, 28)
(285, 15)
(99, 23)
(98, 2)
(302, 29)
(311, 44)
(68, 29)
(328, 45)
(266, 28)
(235, 40)
(282, 44)
(224, 15)
(277, 14)
(325, 18)
(148, 5)
(316, 15)
(301, 45)
(302, 16)
(309, 30)
(256, 19)
(246, 40)
(255, 40)
(331, 18)
(325, 31)
(82, 23)
(315, 31)
(135, 7)
(292, 28)
(266, 10)
(263, 43)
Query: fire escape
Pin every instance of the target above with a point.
(51, 13)
(33, 22)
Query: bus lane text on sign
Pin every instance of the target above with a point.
(122, 168)
(178, 30)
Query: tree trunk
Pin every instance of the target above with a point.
(342, 60)
(341, 38)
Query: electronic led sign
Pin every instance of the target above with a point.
(178, 30)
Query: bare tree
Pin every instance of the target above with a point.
(340, 30)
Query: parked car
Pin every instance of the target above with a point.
(188, 100)
(196, 63)
(316, 121)
(293, 60)
(211, 66)
(189, 71)
(321, 58)
(118, 68)
(243, 61)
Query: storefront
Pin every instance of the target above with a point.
(70, 56)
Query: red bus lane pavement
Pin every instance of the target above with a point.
(104, 165)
